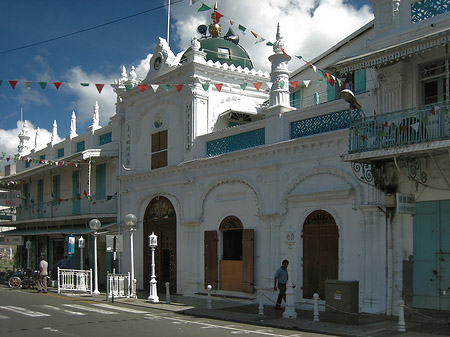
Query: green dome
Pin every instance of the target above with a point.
(224, 51)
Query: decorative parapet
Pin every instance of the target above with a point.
(427, 9)
(235, 142)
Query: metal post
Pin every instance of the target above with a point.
(260, 300)
(153, 290)
(167, 292)
(401, 317)
(95, 265)
(208, 301)
(316, 307)
(133, 281)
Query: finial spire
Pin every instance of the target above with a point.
(96, 117)
(214, 27)
(73, 126)
(23, 147)
(54, 133)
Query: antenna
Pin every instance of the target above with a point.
(168, 24)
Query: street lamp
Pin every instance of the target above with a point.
(348, 96)
(95, 224)
(28, 248)
(131, 221)
(153, 243)
(81, 245)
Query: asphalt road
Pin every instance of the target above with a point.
(28, 313)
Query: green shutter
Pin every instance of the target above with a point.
(100, 181)
(56, 187)
(360, 81)
(295, 99)
(331, 92)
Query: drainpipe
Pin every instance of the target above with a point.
(389, 262)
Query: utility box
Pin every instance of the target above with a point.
(342, 301)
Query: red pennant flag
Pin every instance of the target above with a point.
(404, 128)
(294, 84)
(330, 79)
(179, 87)
(22, 158)
(59, 199)
(99, 87)
(142, 87)
(13, 83)
(386, 124)
(218, 86)
(57, 85)
(85, 193)
(308, 63)
(257, 85)
(8, 159)
(284, 52)
(254, 34)
(217, 16)
(363, 137)
(433, 111)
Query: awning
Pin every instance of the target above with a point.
(61, 230)
(395, 53)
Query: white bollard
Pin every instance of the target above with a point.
(401, 317)
(316, 307)
(289, 311)
(167, 293)
(260, 300)
(208, 301)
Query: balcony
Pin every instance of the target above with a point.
(401, 131)
(68, 208)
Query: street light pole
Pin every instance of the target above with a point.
(28, 247)
(81, 245)
(153, 243)
(95, 224)
(131, 221)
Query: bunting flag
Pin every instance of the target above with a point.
(128, 87)
(204, 8)
(269, 85)
(281, 84)
(42, 85)
(205, 86)
(242, 29)
(217, 17)
(179, 87)
(57, 85)
(243, 86)
(257, 85)
(142, 87)
(269, 44)
(99, 87)
(166, 87)
(84, 84)
(70, 84)
(13, 83)
(154, 87)
(218, 86)
(28, 84)
(284, 52)
(306, 82)
(294, 84)
(319, 82)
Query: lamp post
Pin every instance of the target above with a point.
(81, 245)
(348, 96)
(28, 248)
(153, 243)
(95, 224)
(131, 221)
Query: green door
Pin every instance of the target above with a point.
(431, 264)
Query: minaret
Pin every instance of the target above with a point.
(133, 76)
(38, 131)
(95, 117)
(54, 133)
(73, 126)
(23, 147)
(279, 93)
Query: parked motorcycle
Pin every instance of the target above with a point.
(23, 278)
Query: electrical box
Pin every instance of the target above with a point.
(342, 300)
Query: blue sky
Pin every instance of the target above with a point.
(97, 55)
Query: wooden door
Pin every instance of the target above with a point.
(247, 259)
(320, 253)
(210, 250)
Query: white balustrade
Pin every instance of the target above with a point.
(74, 280)
(118, 286)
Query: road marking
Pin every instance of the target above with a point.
(86, 308)
(113, 307)
(70, 312)
(24, 311)
(3, 317)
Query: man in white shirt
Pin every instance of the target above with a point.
(41, 283)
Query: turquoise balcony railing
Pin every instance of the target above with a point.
(235, 142)
(412, 126)
(67, 207)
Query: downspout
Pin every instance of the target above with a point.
(389, 262)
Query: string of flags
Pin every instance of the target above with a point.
(331, 79)
(29, 160)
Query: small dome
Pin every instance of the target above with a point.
(224, 51)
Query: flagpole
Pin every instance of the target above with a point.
(168, 24)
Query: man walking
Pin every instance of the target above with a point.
(41, 283)
(281, 275)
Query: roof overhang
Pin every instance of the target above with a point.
(65, 230)
(395, 53)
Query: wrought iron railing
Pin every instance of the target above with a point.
(412, 126)
(67, 207)
(235, 142)
(74, 280)
(118, 285)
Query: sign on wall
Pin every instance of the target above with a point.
(405, 203)
(71, 245)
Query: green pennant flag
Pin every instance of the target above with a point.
(204, 8)
(242, 28)
(299, 57)
(166, 87)
(270, 44)
(205, 86)
(42, 84)
(243, 86)
(319, 82)
(281, 84)
(128, 87)
(3, 154)
(84, 84)
(381, 133)
(320, 71)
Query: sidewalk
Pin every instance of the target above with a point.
(243, 311)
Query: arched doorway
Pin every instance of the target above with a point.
(320, 252)
(160, 219)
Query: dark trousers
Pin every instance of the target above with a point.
(282, 294)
